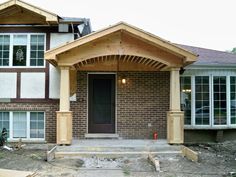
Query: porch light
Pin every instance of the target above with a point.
(186, 90)
(123, 80)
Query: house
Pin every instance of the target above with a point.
(61, 81)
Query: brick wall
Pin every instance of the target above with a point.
(50, 114)
(79, 107)
(144, 99)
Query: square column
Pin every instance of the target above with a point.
(64, 115)
(175, 117)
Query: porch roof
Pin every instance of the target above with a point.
(123, 41)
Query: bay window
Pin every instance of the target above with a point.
(202, 101)
(208, 101)
(219, 100)
(233, 100)
(185, 91)
(21, 50)
(25, 125)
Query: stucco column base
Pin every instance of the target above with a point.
(64, 127)
(175, 127)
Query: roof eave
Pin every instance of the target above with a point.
(189, 56)
(50, 17)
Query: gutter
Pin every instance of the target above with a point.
(211, 66)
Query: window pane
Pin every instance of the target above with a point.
(32, 62)
(233, 99)
(202, 103)
(40, 62)
(36, 125)
(19, 55)
(185, 86)
(19, 125)
(4, 122)
(4, 50)
(219, 100)
(20, 40)
(37, 50)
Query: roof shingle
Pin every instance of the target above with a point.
(211, 57)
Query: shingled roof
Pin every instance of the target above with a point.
(211, 57)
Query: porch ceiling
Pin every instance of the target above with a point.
(120, 47)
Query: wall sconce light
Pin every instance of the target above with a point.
(123, 80)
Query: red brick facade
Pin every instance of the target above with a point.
(143, 100)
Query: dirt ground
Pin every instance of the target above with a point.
(215, 160)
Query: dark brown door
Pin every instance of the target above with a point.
(101, 103)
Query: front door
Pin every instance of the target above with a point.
(101, 114)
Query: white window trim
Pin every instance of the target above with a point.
(28, 50)
(28, 127)
(211, 97)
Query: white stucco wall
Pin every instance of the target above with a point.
(32, 85)
(57, 39)
(8, 85)
(54, 82)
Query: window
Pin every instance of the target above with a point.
(22, 50)
(185, 88)
(202, 100)
(4, 121)
(36, 125)
(36, 50)
(4, 50)
(25, 125)
(219, 100)
(233, 99)
(19, 125)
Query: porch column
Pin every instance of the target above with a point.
(64, 115)
(175, 117)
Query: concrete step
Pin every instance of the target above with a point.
(120, 148)
(88, 154)
(115, 148)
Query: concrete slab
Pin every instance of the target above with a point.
(114, 148)
(16, 173)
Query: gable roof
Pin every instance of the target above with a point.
(9, 7)
(149, 38)
(211, 57)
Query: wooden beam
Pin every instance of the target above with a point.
(128, 30)
(189, 154)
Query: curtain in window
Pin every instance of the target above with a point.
(19, 125)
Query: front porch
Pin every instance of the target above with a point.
(145, 73)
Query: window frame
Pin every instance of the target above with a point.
(28, 50)
(11, 138)
(211, 97)
(210, 103)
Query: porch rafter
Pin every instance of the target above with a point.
(121, 40)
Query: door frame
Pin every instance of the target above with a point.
(87, 119)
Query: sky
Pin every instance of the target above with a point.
(203, 23)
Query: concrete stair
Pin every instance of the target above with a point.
(115, 148)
